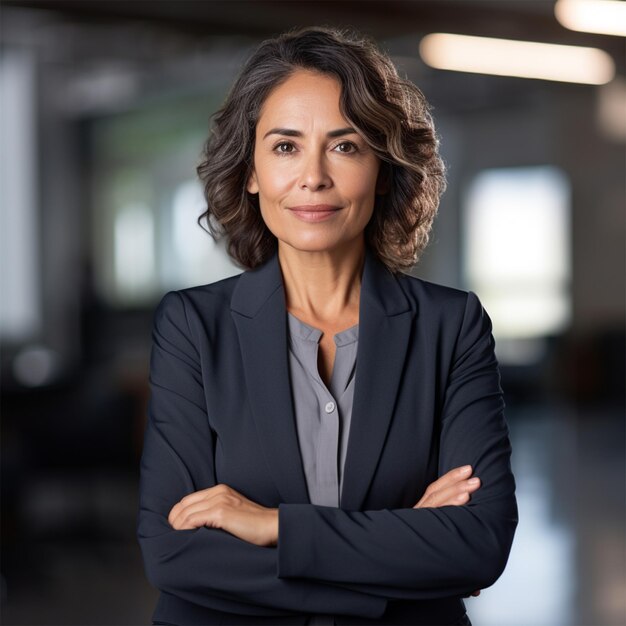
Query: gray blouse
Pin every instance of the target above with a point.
(322, 415)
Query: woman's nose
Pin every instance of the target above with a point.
(314, 174)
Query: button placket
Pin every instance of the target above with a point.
(323, 457)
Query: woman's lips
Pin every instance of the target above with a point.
(314, 212)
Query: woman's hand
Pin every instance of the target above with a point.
(225, 508)
(452, 489)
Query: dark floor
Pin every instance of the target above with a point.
(567, 565)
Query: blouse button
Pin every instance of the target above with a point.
(330, 407)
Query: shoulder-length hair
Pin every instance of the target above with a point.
(391, 114)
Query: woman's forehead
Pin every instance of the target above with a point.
(304, 98)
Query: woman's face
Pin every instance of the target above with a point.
(316, 177)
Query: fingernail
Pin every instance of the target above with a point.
(465, 469)
(473, 481)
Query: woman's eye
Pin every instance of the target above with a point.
(347, 147)
(284, 144)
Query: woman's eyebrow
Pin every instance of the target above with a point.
(290, 132)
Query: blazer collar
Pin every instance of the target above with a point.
(378, 286)
(259, 311)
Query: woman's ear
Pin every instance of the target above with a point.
(253, 185)
(383, 181)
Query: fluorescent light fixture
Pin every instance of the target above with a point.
(611, 109)
(607, 17)
(523, 59)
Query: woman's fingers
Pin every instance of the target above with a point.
(451, 478)
(205, 507)
(191, 502)
(455, 495)
(204, 512)
(453, 488)
(224, 508)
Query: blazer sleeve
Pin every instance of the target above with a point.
(207, 566)
(428, 552)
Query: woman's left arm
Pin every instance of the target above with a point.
(425, 552)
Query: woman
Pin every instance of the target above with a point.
(315, 421)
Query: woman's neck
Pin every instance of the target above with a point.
(323, 286)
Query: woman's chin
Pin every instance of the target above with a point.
(315, 245)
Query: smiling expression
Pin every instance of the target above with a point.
(315, 175)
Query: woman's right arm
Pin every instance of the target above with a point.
(207, 566)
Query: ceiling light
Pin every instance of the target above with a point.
(607, 17)
(523, 59)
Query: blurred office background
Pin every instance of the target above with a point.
(105, 107)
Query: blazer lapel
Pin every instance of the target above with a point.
(259, 311)
(260, 314)
(385, 321)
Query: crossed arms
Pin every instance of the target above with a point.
(223, 555)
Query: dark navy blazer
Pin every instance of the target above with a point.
(427, 399)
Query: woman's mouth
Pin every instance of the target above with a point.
(314, 212)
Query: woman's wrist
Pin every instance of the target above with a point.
(273, 527)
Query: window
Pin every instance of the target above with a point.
(20, 304)
(516, 234)
(146, 203)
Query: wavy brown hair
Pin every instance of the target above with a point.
(391, 113)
